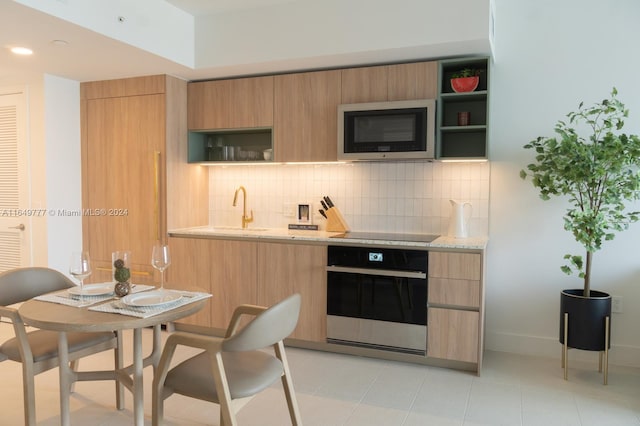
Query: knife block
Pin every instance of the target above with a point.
(335, 221)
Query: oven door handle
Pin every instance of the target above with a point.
(379, 272)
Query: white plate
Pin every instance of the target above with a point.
(151, 298)
(101, 289)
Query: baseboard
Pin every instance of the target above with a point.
(623, 355)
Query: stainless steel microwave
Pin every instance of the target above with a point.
(387, 130)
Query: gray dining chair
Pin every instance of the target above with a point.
(233, 369)
(37, 350)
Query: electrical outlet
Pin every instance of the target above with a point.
(616, 304)
(289, 210)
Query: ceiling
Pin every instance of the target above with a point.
(88, 55)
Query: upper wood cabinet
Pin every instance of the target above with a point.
(305, 116)
(367, 84)
(300, 107)
(231, 104)
(417, 80)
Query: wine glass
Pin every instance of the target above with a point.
(80, 268)
(160, 259)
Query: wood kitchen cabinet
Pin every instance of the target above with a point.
(235, 113)
(284, 269)
(123, 145)
(190, 270)
(418, 80)
(305, 116)
(453, 334)
(263, 272)
(131, 133)
(301, 108)
(237, 272)
(224, 268)
(455, 306)
(231, 104)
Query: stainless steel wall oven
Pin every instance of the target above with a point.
(377, 297)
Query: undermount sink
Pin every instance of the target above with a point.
(237, 228)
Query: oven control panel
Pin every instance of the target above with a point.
(375, 257)
(378, 258)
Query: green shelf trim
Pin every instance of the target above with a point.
(464, 97)
(465, 129)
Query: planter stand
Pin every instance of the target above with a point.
(605, 352)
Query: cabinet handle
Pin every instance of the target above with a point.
(379, 272)
(156, 191)
(143, 273)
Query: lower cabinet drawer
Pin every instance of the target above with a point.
(446, 291)
(453, 334)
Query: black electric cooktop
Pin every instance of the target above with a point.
(383, 236)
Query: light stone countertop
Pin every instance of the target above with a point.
(288, 235)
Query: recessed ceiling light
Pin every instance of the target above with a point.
(21, 51)
(59, 42)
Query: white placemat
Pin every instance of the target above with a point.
(118, 307)
(63, 297)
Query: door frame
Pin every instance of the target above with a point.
(23, 214)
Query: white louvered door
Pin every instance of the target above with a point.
(15, 217)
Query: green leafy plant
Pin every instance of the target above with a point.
(466, 72)
(598, 173)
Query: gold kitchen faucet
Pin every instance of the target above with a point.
(245, 219)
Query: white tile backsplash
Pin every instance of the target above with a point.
(403, 196)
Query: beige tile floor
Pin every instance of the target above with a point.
(335, 389)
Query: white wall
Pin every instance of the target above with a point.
(63, 169)
(312, 34)
(34, 89)
(551, 55)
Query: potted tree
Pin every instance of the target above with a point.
(465, 80)
(596, 167)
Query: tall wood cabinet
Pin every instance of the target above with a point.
(129, 126)
(456, 306)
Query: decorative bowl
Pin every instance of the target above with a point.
(464, 84)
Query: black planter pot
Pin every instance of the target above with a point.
(586, 319)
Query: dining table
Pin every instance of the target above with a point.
(109, 314)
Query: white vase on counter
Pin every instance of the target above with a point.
(459, 219)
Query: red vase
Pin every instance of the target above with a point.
(464, 84)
